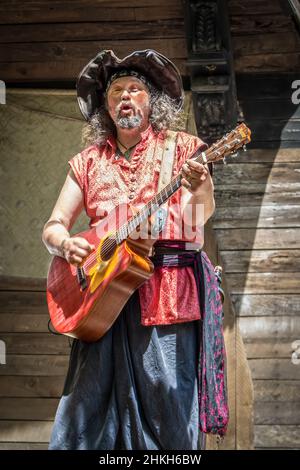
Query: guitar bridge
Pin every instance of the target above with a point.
(81, 278)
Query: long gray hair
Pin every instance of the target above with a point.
(164, 114)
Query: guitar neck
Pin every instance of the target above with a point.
(154, 204)
(229, 144)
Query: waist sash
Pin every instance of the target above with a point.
(214, 413)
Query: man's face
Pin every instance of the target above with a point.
(128, 102)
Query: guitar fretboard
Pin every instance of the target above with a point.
(151, 207)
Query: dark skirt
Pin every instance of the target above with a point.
(135, 388)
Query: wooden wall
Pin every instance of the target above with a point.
(56, 39)
(42, 41)
(31, 381)
(264, 36)
(257, 217)
(257, 225)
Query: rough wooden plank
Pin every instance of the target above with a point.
(244, 173)
(273, 305)
(274, 369)
(23, 302)
(262, 348)
(261, 261)
(253, 27)
(278, 327)
(36, 343)
(34, 4)
(275, 436)
(62, 13)
(257, 217)
(62, 51)
(255, 7)
(25, 431)
(263, 283)
(31, 386)
(27, 323)
(116, 31)
(279, 155)
(288, 62)
(274, 144)
(22, 72)
(23, 446)
(279, 390)
(276, 414)
(257, 194)
(259, 239)
(15, 283)
(41, 365)
(32, 409)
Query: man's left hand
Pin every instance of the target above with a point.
(194, 174)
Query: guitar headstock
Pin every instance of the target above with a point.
(229, 144)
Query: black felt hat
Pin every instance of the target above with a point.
(94, 77)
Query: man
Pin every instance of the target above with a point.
(144, 384)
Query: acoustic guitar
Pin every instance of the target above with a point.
(85, 301)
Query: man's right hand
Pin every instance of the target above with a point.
(76, 249)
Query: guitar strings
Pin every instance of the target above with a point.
(112, 243)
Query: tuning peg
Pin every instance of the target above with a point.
(224, 161)
(235, 154)
(244, 148)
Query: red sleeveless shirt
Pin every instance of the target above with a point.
(108, 180)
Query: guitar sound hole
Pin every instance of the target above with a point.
(108, 248)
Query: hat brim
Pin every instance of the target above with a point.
(92, 80)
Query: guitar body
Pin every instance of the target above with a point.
(87, 313)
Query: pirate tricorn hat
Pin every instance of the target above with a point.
(94, 77)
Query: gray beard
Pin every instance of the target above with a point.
(129, 122)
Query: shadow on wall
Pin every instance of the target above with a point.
(257, 225)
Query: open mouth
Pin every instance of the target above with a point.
(126, 107)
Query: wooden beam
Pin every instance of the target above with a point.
(244, 7)
(271, 304)
(43, 12)
(277, 436)
(259, 239)
(274, 413)
(257, 217)
(25, 431)
(39, 409)
(274, 369)
(261, 261)
(36, 343)
(265, 327)
(255, 194)
(22, 72)
(35, 365)
(248, 173)
(276, 348)
(210, 63)
(263, 283)
(282, 391)
(23, 323)
(8, 283)
(64, 51)
(31, 386)
(115, 31)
